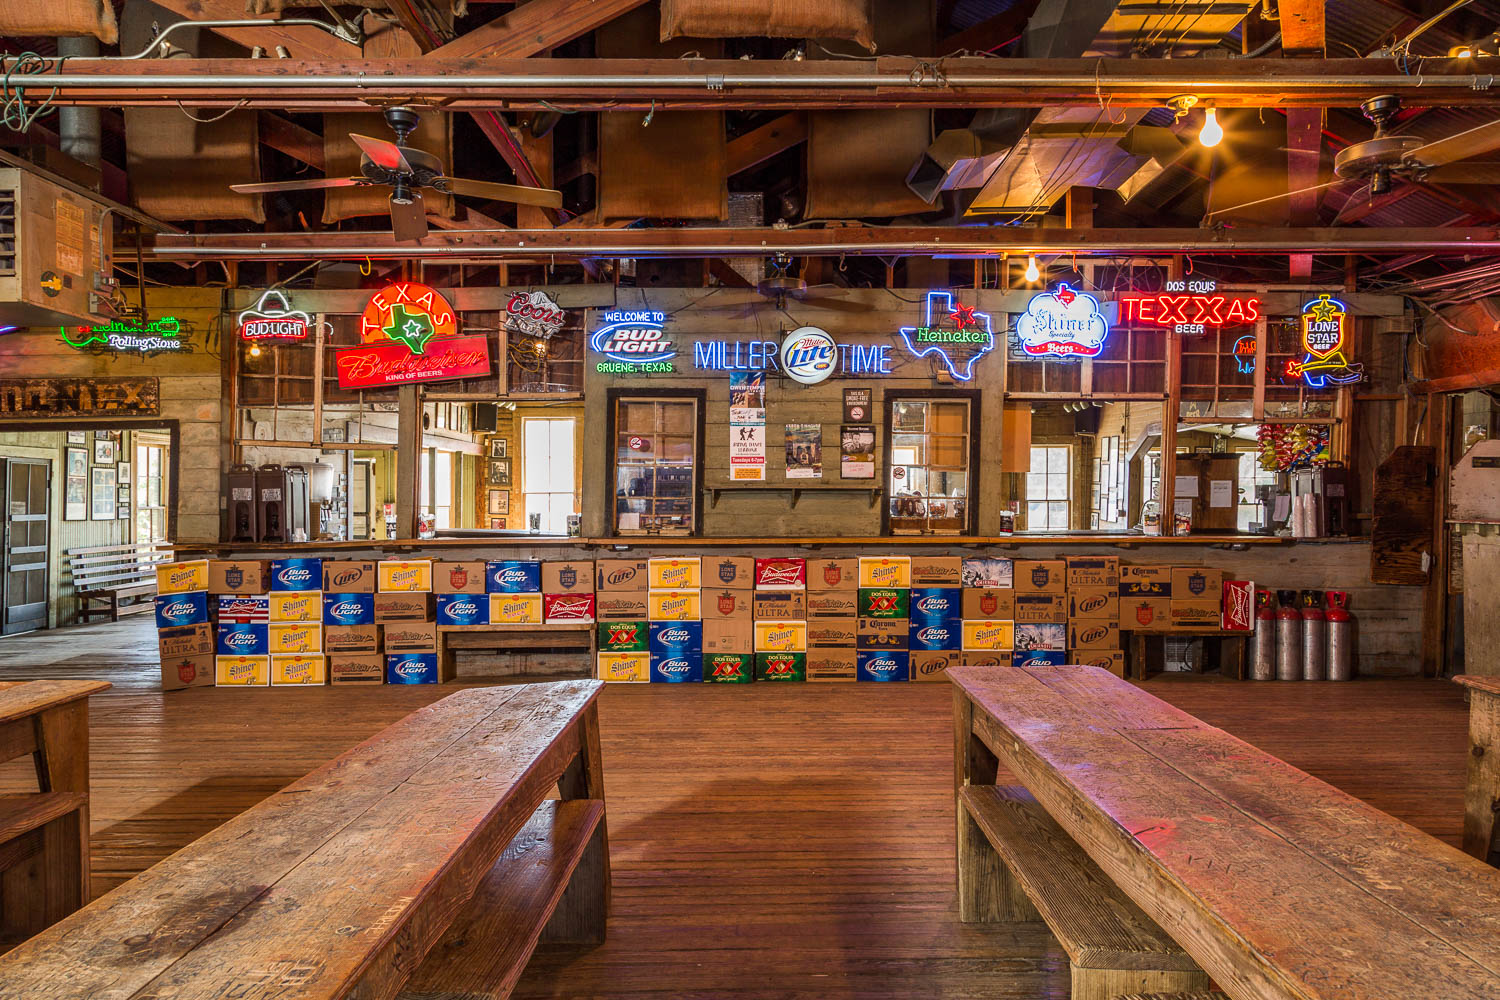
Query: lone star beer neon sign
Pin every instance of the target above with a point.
(1324, 337)
(407, 313)
(949, 325)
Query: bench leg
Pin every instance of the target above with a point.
(1106, 984)
(1482, 789)
(986, 891)
(62, 765)
(585, 904)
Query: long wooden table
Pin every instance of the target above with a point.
(339, 884)
(1277, 884)
(1482, 791)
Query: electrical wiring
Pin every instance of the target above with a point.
(13, 113)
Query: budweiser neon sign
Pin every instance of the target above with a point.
(1189, 307)
(380, 365)
(273, 318)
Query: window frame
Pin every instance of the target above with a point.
(971, 516)
(571, 494)
(612, 400)
(1067, 498)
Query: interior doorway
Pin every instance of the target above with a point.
(24, 562)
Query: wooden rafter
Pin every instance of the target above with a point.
(991, 33)
(300, 42)
(760, 144)
(286, 136)
(535, 27)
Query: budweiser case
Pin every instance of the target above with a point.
(562, 609)
(780, 574)
(1238, 614)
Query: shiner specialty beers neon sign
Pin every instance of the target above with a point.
(1062, 324)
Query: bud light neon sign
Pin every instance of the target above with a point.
(1062, 324)
(633, 341)
(953, 332)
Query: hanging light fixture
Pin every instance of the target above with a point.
(1212, 132)
(1032, 273)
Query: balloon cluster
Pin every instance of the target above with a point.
(1285, 447)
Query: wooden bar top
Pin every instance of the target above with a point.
(1489, 685)
(1278, 884)
(18, 699)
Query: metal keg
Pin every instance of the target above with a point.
(1314, 637)
(1340, 637)
(1263, 640)
(1288, 637)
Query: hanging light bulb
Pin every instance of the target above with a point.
(255, 350)
(1212, 133)
(1032, 274)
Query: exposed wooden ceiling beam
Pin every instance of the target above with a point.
(760, 144)
(286, 136)
(301, 42)
(1303, 36)
(991, 33)
(535, 27)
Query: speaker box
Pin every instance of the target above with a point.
(486, 417)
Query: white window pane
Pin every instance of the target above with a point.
(1038, 459)
(1057, 516)
(1036, 485)
(1057, 460)
(1057, 487)
(1036, 514)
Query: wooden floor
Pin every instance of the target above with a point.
(768, 841)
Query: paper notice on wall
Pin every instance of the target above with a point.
(1221, 493)
(857, 451)
(1187, 486)
(804, 451)
(747, 427)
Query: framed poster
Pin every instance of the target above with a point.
(497, 523)
(102, 493)
(499, 472)
(499, 502)
(122, 473)
(104, 450)
(78, 437)
(499, 447)
(77, 462)
(76, 498)
(122, 514)
(122, 494)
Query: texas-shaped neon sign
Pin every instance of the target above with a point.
(947, 324)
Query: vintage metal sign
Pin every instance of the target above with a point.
(382, 365)
(534, 314)
(408, 313)
(66, 397)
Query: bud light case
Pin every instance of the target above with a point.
(348, 609)
(936, 605)
(936, 636)
(296, 574)
(234, 610)
(181, 609)
(244, 640)
(686, 669)
(881, 666)
(411, 668)
(512, 576)
(463, 609)
(623, 637)
(728, 668)
(1038, 658)
(675, 638)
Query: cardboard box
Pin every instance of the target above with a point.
(1238, 614)
(298, 668)
(461, 577)
(1151, 614)
(411, 637)
(936, 636)
(185, 640)
(1041, 576)
(728, 668)
(364, 669)
(254, 609)
(296, 574)
(674, 638)
(837, 665)
(885, 571)
(297, 606)
(770, 666)
(408, 576)
(986, 658)
(1033, 636)
(1094, 635)
(727, 604)
(622, 637)
(988, 573)
(728, 635)
(674, 573)
(1042, 608)
(182, 577)
(1112, 660)
(242, 671)
(179, 672)
(294, 637)
(627, 605)
(242, 640)
(882, 633)
(411, 668)
(930, 665)
(779, 605)
(1196, 614)
(882, 666)
(563, 609)
(1095, 603)
(575, 577)
(781, 574)
(884, 602)
(832, 603)
(1145, 581)
(346, 639)
(1194, 583)
(681, 669)
(516, 609)
(403, 608)
(348, 609)
(989, 602)
(936, 605)
(181, 609)
(355, 576)
(841, 633)
(781, 637)
(988, 636)
(634, 668)
(674, 605)
(1093, 571)
(1038, 658)
(937, 571)
(238, 577)
(825, 575)
(620, 575)
(729, 572)
(513, 576)
(462, 609)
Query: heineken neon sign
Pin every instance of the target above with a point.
(952, 332)
(162, 334)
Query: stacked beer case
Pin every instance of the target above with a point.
(184, 631)
(779, 609)
(832, 620)
(620, 598)
(728, 619)
(404, 612)
(1094, 612)
(351, 633)
(268, 622)
(989, 611)
(1041, 629)
(936, 624)
(674, 619)
(883, 641)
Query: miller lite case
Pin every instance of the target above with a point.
(988, 574)
(410, 576)
(935, 605)
(882, 666)
(243, 640)
(884, 571)
(780, 574)
(567, 578)
(625, 667)
(930, 665)
(684, 669)
(349, 576)
(513, 576)
(781, 666)
(181, 609)
(1095, 603)
(463, 609)
(296, 574)
(884, 602)
(242, 671)
(244, 610)
(623, 637)
(1038, 658)
(560, 609)
(411, 668)
(620, 575)
(348, 609)
(1033, 636)
(182, 577)
(940, 635)
(296, 606)
(674, 638)
(728, 668)
(677, 573)
(298, 668)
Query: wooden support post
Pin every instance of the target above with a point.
(408, 459)
(1435, 601)
(1482, 798)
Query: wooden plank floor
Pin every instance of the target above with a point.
(768, 841)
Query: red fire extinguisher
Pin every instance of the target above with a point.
(1340, 637)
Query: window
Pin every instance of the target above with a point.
(1047, 489)
(547, 471)
(437, 488)
(656, 449)
(1251, 476)
(929, 467)
(150, 492)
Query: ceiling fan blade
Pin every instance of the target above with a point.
(409, 221)
(540, 197)
(1275, 197)
(382, 152)
(1480, 172)
(311, 185)
(1474, 142)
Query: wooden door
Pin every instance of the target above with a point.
(24, 563)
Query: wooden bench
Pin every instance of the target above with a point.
(1277, 884)
(120, 578)
(577, 637)
(1482, 788)
(44, 835)
(433, 839)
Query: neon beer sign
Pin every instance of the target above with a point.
(1189, 307)
(954, 333)
(633, 341)
(1062, 324)
(1324, 324)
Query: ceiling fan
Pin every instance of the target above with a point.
(778, 286)
(406, 170)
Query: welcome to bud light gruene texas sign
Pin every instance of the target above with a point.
(633, 341)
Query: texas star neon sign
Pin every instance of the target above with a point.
(946, 325)
(1062, 324)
